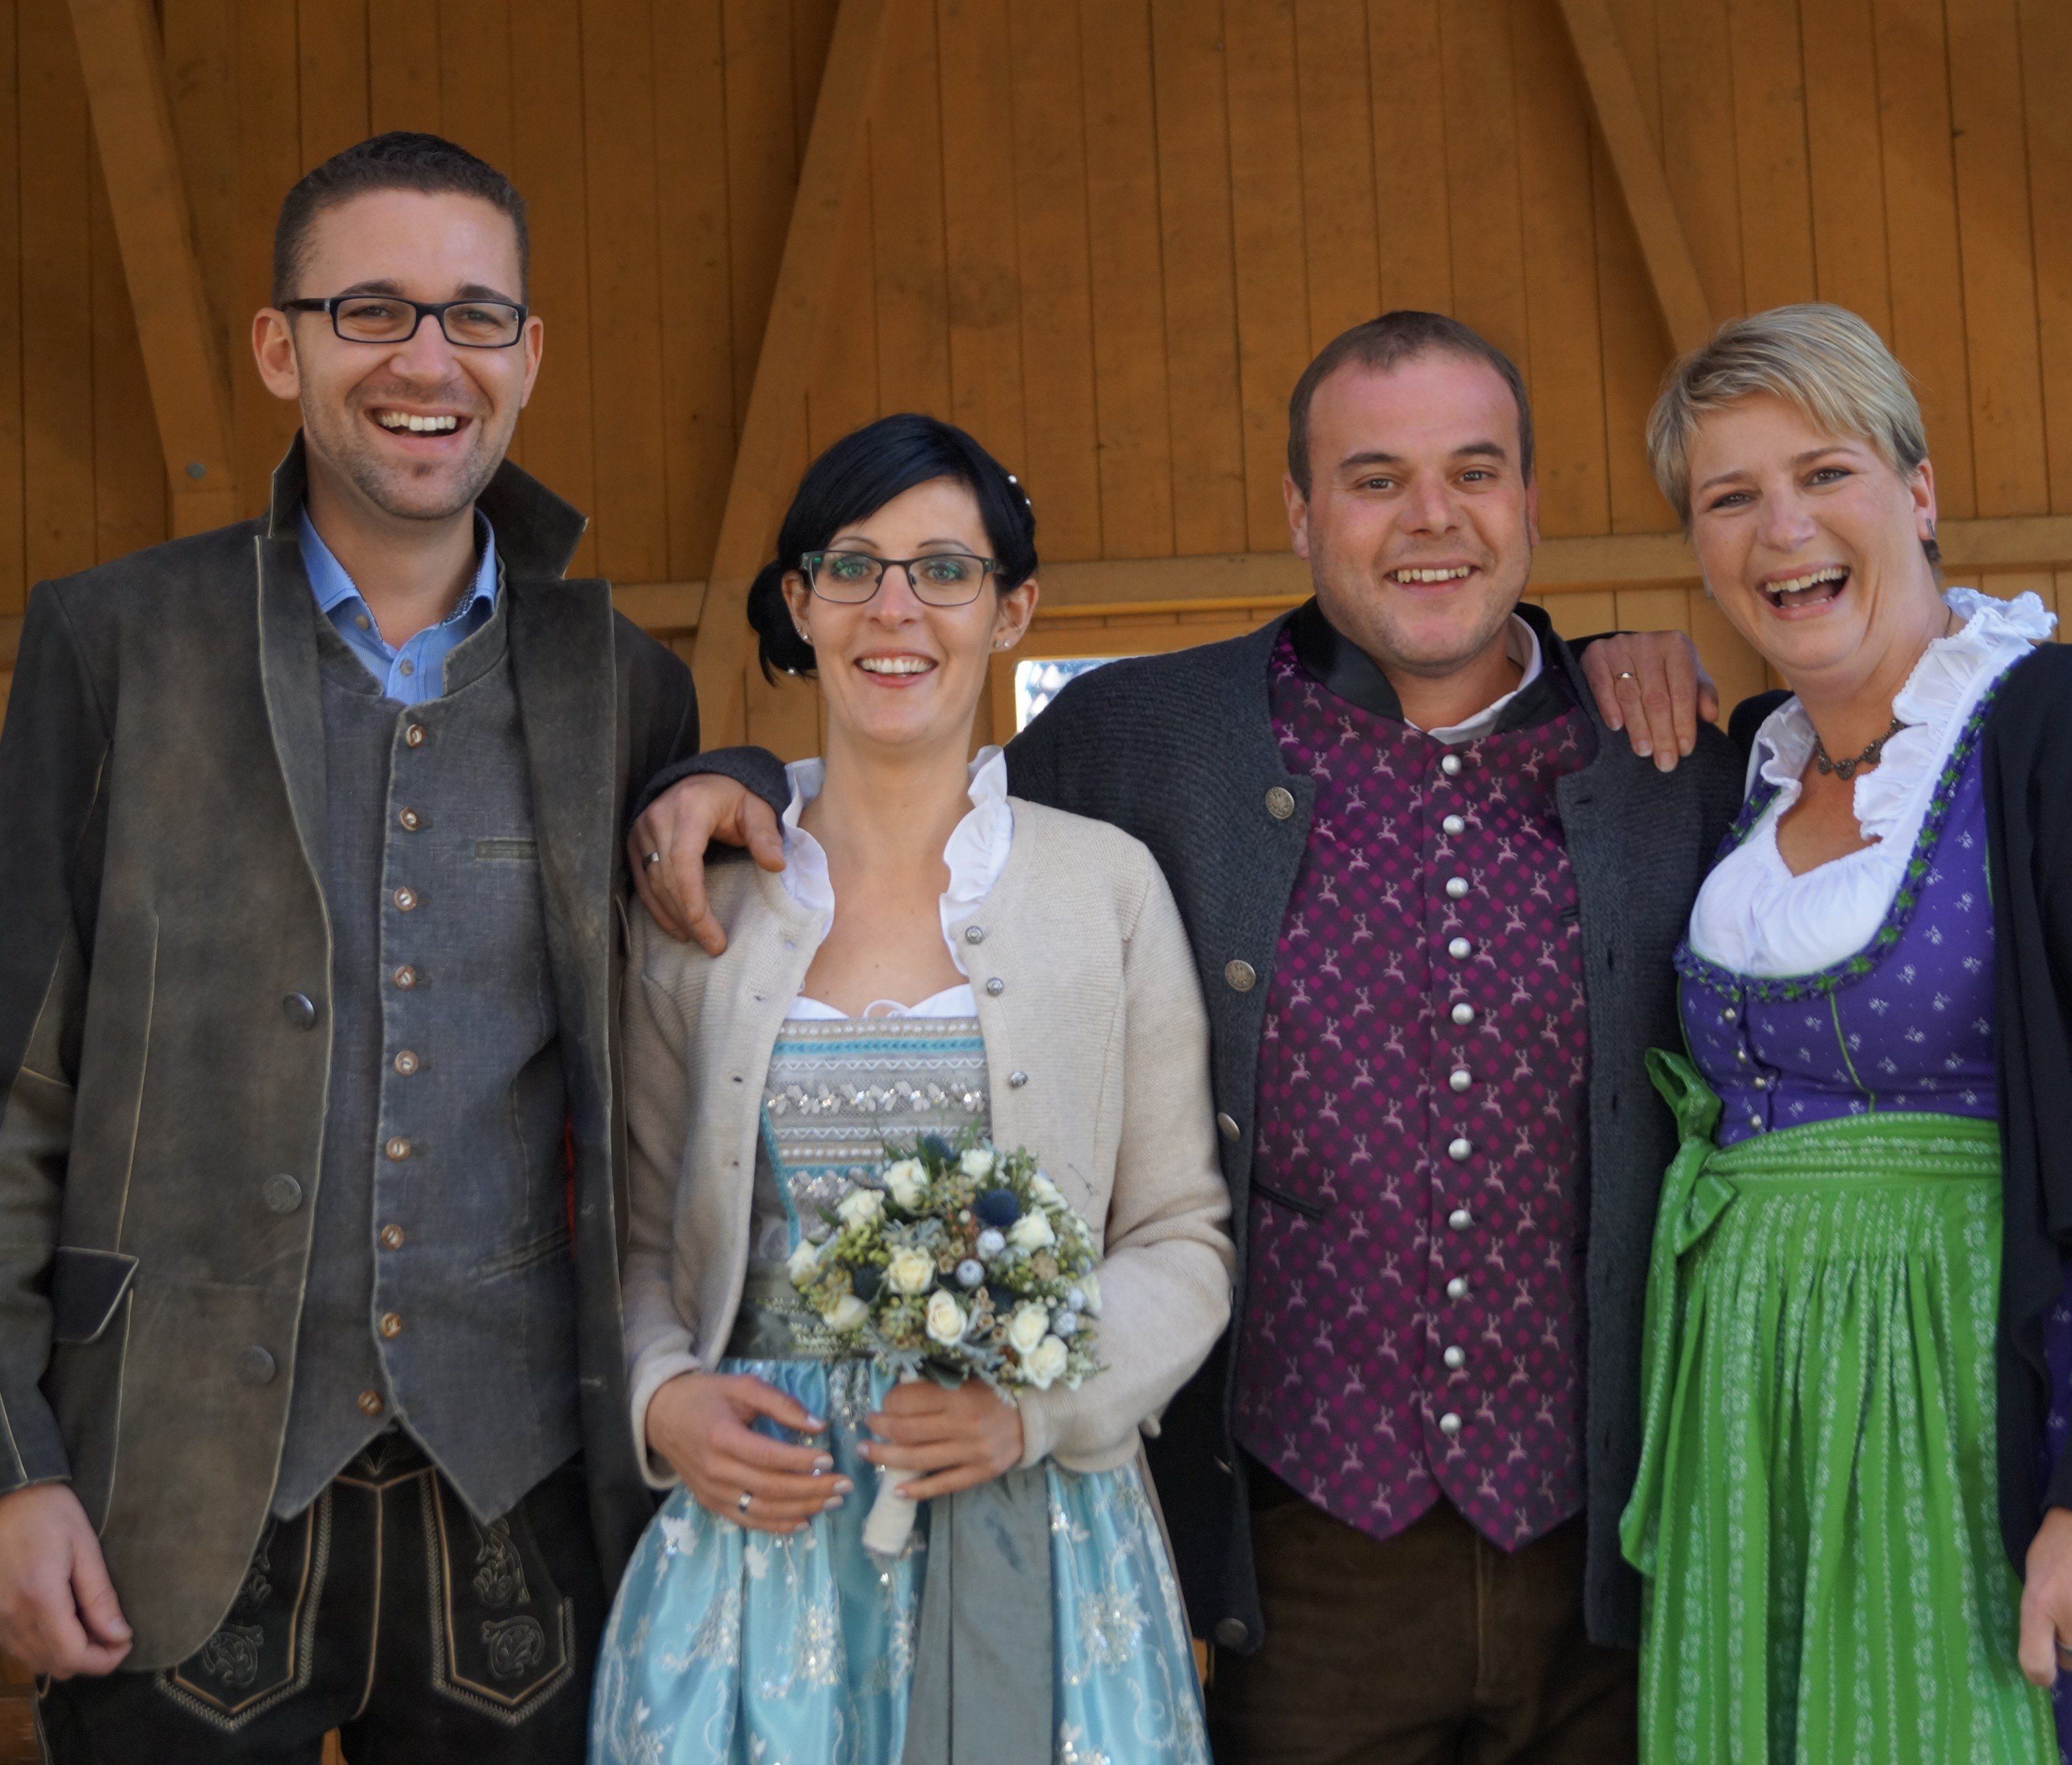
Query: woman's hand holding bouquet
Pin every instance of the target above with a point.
(969, 1267)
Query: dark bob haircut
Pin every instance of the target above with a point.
(857, 476)
(402, 159)
(1387, 342)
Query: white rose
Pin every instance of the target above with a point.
(1028, 1326)
(946, 1320)
(977, 1163)
(1045, 1363)
(1032, 1232)
(848, 1312)
(1090, 1285)
(800, 1265)
(859, 1207)
(908, 1180)
(1046, 1191)
(911, 1271)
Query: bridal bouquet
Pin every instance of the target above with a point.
(956, 1263)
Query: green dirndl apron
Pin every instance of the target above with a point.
(1816, 1514)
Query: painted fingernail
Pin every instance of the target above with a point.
(843, 1485)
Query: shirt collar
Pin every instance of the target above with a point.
(333, 587)
(1347, 672)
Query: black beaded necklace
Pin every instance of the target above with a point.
(1846, 770)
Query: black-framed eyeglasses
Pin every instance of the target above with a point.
(939, 579)
(389, 318)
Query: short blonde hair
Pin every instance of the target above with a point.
(1823, 360)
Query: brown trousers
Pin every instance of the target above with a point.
(1432, 1647)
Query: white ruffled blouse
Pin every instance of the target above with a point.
(1752, 916)
(977, 853)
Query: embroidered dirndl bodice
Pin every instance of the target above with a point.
(839, 1092)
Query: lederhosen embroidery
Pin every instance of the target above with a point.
(264, 1651)
(502, 1634)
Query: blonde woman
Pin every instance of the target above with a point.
(1835, 1473)
(934, 956)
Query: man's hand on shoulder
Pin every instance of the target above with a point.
(667, 850)
(59, 1613)
(1651, 684)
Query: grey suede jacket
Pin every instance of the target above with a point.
(1179, 750)
(165, 960)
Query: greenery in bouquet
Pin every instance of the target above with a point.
(959, 1261)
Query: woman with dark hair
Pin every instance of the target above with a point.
(935, 957)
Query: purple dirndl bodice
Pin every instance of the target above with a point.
(1905, 1023)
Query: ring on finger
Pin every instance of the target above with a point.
(652, 859)
(1623, 674)
(746, 1502)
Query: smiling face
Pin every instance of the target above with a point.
(894, 671)
(416, 428)
(1811, 542)
(1419, 525)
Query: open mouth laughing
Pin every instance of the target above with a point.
(1429, 575)
(1806, 590)
(415, 425)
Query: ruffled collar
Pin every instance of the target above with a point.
(976, 852)
(1946, 682)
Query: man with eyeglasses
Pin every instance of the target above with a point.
(312, 1409)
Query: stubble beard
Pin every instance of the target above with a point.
(427, 492)
(1364, 615)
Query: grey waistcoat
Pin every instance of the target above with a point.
(441, 1291)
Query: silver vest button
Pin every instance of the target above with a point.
(1456, 886)
(1016, 1080)
(1460, 1220)
(996, 986)
(1457, 1289)
(1226, 1125)
(1452, 827)
(1450, 1425)
(974, 934)
(1459, 1151)
(1279, 802)
(1460, 949)
(300, 1011)
(1463, 1014)
(1231, 1633)
(1450, 765)
(1455, 1359)
(281, 1194)
(1460, 1079)
(255, 1366)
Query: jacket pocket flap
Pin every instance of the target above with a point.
(86, 1287)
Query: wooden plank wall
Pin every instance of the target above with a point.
(1105, 237)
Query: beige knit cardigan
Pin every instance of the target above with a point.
(1097, 1047)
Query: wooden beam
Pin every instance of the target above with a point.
(758, 491)
(123, 59)
(1637, 162)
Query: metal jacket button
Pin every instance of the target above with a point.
(397, 1148)
(255, 1366)
(406, 1062)
(370, 1403)
(414, 736)
(1242, 976)
(282, 1194)
(408, 818)
(406, 977)
(1016, 1080)
(1231, 1633)
(406, 898)
(1226, 1125)
(392, 1238)
(1279, 802)
(300, 1011)
(996, 986)
(974, 934)
(391, 1325)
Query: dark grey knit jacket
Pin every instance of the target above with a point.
(1178, 749)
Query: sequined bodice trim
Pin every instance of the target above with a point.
(837, 1091)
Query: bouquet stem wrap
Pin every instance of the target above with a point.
(889, 1523)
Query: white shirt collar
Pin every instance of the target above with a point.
(1521, 643)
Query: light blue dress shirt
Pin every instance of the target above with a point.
(416, 671)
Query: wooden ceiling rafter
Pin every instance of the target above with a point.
(122, 57)
(1672, 271)
(759, 488)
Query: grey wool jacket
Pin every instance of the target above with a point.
(1179, 750)
(165, 1020)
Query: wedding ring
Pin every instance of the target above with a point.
(1626, 674)
(743, 1503)
(652, 857)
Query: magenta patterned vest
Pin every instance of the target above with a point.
(1414, 1322)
